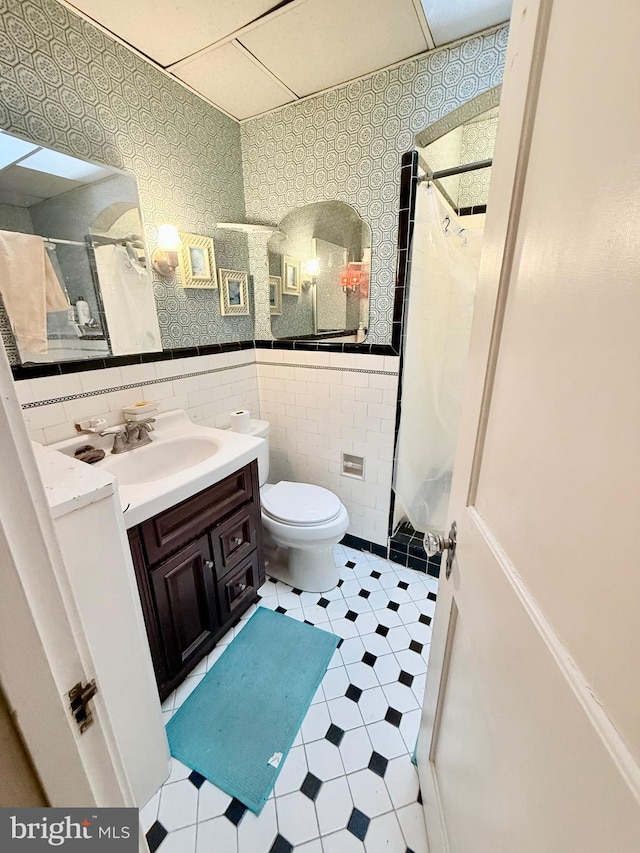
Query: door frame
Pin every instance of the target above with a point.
(523, 71)
(43, 647)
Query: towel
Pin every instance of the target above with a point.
(29, 288)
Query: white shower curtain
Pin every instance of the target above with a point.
(129, 304)
(444, 271)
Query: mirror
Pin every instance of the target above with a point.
(74, 280)
(319, 263)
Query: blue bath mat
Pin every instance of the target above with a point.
(250, 705)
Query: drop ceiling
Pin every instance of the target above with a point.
(250, 56)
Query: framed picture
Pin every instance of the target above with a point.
(275, 294)
(291, 276)
(197, 261)
(234, 298)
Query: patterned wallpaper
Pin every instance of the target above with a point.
(346, 144)
(64, 84)
(478, 142)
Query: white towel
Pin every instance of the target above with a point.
(29, 288)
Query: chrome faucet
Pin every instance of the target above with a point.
(133, 434)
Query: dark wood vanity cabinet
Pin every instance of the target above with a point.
(198, 566)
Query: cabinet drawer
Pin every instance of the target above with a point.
(238, 587)
(235, 538)
(167, 532)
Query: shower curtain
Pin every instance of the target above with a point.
(129, 303)
(444, 271)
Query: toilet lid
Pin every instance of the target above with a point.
(300, 503)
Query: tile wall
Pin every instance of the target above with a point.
(321, 405)
(207, 387)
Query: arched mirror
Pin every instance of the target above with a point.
(319, 263)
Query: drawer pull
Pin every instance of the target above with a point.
(208, 564)
(237, 540)
(242, 587)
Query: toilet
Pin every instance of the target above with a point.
(302, 523)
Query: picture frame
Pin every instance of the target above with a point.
(290, 276)
(197, 261)
(275, 294)
(234, 293)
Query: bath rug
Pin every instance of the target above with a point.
(238, 725)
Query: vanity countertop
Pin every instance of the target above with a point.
(183, 458)
(68, 483)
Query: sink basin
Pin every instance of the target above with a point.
(183, 459)
(158, 461)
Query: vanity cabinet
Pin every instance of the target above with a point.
(198, 565)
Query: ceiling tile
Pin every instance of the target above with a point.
(170, 31)
(232, 80)
(33, 183)
(453, 19)
(321, 43)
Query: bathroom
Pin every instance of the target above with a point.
(68, 85)
(196, 167)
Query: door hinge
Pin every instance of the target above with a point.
(79, 697)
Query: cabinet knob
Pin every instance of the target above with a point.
(238, 540)
(242, 587)
(208, 564)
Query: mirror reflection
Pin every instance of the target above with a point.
(319, 263)
(74, 280)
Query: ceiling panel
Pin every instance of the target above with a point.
(230, 78)
(170, 30)
(321, 43)
(37, 184)
(453, 19)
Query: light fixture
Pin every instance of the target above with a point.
(165, 258)
(355, 274)
(310, 269)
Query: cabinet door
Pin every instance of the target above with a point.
(184, 590)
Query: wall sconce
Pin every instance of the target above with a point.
(165, 258)
(350, 276)
(311, 269)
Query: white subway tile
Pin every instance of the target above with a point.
(341, 359)
(379, 410)
(86, 407)
(138, 374)
(99, 380)
(186, 385)
(37, 435)
(359, 380)
(369, 395)
(342, 392)
(60, 432)
(24, 391)
(170, 367)
(392, 363)
(45, 416)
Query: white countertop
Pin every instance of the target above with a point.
(68, 483)
(67, 476)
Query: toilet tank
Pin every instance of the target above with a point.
(261, 430)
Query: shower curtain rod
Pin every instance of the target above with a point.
(455, 170)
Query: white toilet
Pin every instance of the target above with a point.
(302, 523)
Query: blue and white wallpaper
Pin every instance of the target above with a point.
(65, 84)
(346, 144)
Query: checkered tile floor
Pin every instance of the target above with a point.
(348, 783)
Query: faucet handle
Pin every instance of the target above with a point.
(146, 424)
(116, 430)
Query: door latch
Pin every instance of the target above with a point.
(436, 544)
(79, 697)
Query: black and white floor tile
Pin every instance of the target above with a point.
(348, 783)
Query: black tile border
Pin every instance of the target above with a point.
(323, 346)
(37, 371)
(406, 222)
(359, 544)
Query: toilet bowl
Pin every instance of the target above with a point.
(302, 523)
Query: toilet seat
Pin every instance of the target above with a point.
(300, 504)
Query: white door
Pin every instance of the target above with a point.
(530, 737)
(43, 648)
